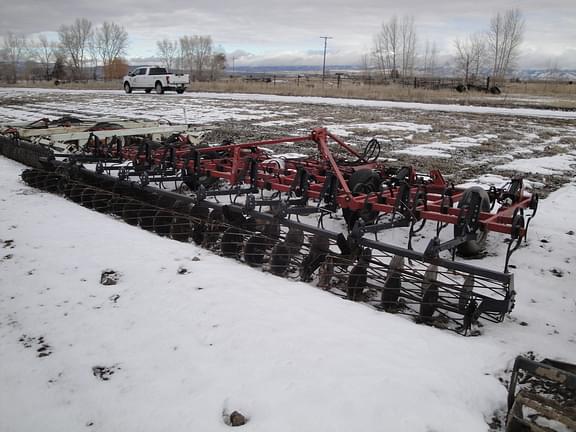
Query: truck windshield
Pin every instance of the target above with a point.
(157, 71)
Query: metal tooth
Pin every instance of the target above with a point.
(116, 204)
(358, 278)
(87, 197)
(466, 293)
(256, 248)
(163, 222)
(294, 240)
(146, 215)
(198, 232)
(280, 258)
(37, 178)
(130, 212)
(27, 175)
(101, 202)
(231, 242)
(429, 293)
(393, 283)
(181, 229)
(50, 183)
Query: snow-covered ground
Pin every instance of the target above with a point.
(184, 348)
(462, 140)
(255, 98)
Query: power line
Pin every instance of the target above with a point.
(324, 60)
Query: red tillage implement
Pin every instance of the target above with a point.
(269, 211)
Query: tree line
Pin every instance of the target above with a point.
(82, 48)
(193, 54)
(493, 52)
(80, 45)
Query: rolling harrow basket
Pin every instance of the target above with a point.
(272, 212)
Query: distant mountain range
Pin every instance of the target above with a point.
(443, 71)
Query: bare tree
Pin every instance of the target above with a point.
(504, 39)
(387, 47)
(44, 52)
(186, 56)
(13, 52)
(395, 47)
(407, 45)
(202, 54)
(365, 62)
(167, 51)
(74, 42)
(196, 54)
(430, 58)
(94, 52)
(217, 63)
(470, 56)
(111, 42)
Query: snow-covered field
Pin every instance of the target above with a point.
(464, 141)
(186, 336)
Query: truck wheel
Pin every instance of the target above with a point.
(127, 87)
(147, 90)
(158, 87)
(180, 90)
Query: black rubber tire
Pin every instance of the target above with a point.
(127, 88)
(180, 91)
(147, 90)
(158, 88)
(472, 248)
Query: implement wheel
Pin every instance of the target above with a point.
(472, 248)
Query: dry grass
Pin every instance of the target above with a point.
(544, 88)
(533, 94)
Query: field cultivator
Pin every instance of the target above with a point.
(247, 202)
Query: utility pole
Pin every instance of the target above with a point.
(234, 64)
(324, 60)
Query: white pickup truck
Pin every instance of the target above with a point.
(157, 78)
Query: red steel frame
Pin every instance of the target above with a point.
(233, 161)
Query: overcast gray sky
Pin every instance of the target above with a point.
(288, 32)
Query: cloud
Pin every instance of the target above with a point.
(275, 29)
